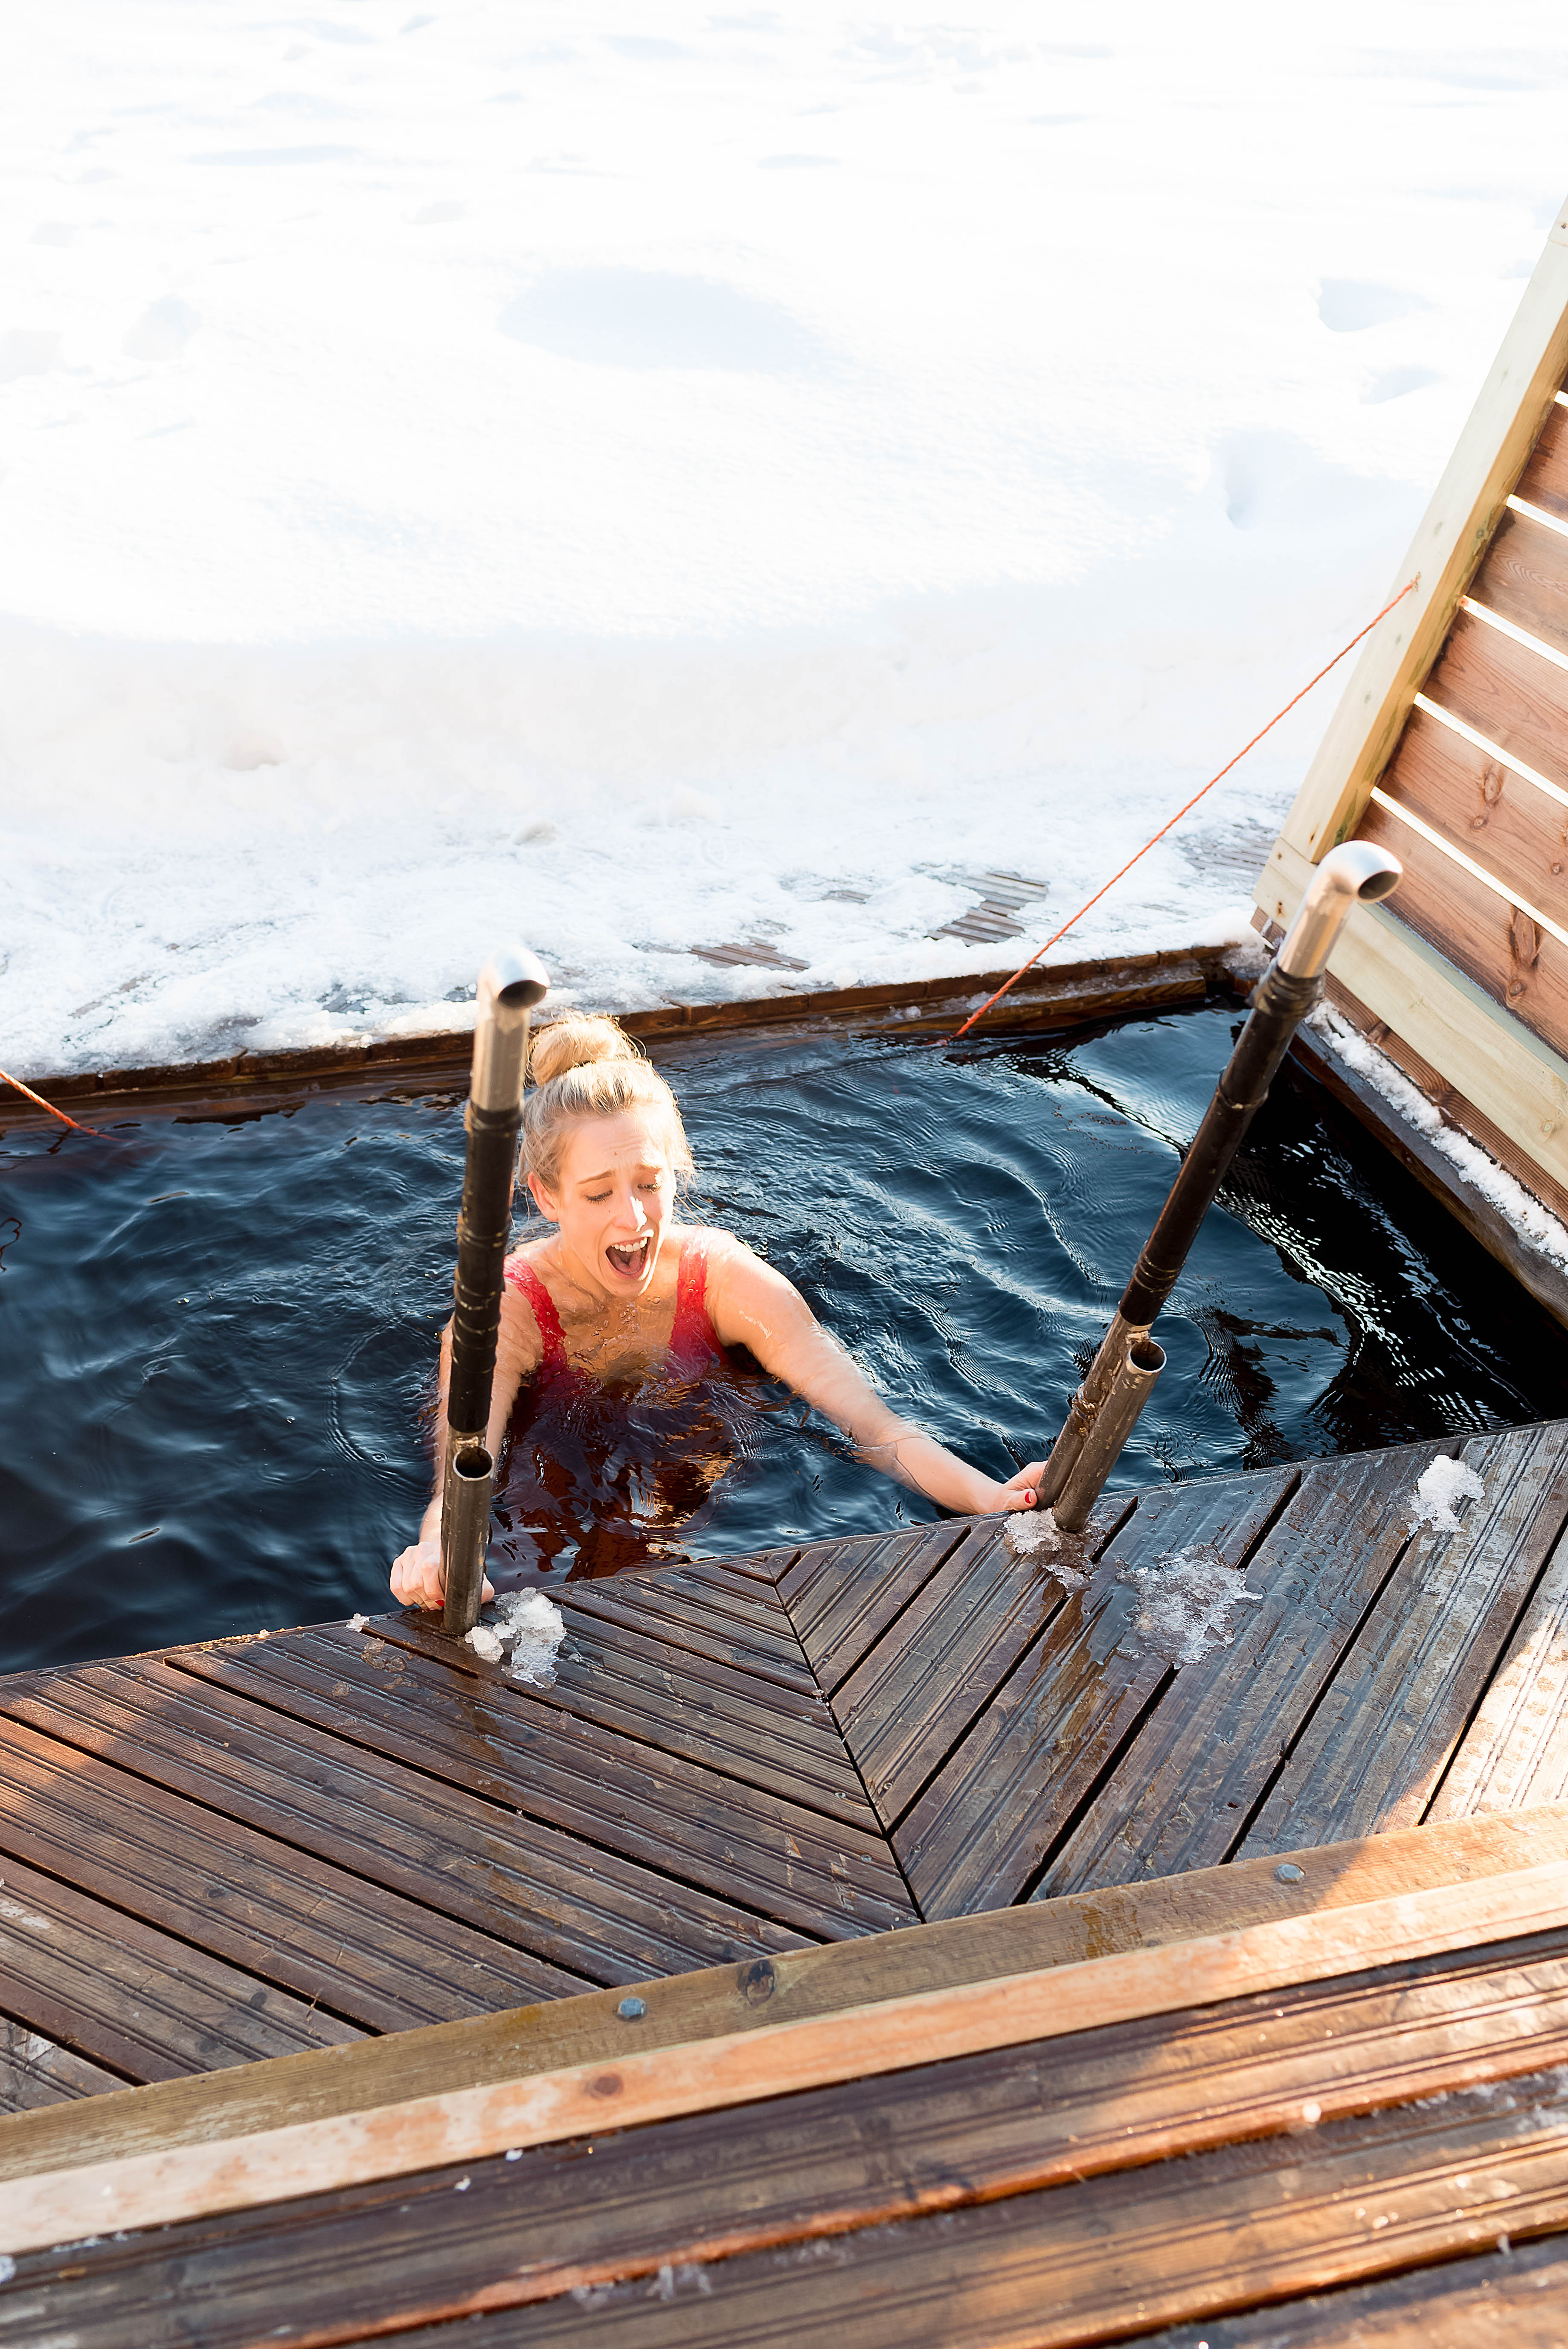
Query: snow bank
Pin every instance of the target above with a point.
(1437, 1490)
(473, 472)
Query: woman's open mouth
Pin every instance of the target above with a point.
(631, 1261)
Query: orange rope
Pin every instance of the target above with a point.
(60, 1113)
(1241, 754)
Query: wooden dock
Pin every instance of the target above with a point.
(296, 1845)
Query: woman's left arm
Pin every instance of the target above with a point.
(751, 1305)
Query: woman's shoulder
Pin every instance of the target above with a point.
(718, 1248)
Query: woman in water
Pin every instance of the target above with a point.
(619, 1288)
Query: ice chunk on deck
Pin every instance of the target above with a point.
(1437, 1490)
(1028, 1531)
(484, 1643)
(1186, 1599)
(533, 1627)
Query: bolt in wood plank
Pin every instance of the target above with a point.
(598, 1917)
(1524, 578)
(372, 1956)
(122, 1996)
(813, 2168)
(1377, 1749)
(1512, 695)
(979, 1835)
(490, 1735)
(1204, 1757)
(1517, 1746)
(751, 1730)
(1508, 825)
(905, 1707)
(720, 2003)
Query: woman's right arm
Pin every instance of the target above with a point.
(419, 1575)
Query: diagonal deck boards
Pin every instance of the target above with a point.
(774, 1739)
(276, 1912)
(1186, 1790)
(455, 1853)
(466, 1723)
(989, 1820)
(1378, 1747)
(134, 2000)
(36, 2072)
(705, 1611)
(292, 1841)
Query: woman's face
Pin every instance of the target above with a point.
(615, 1194)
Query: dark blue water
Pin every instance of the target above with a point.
(216, 1339)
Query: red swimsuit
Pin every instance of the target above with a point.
(692, 1341)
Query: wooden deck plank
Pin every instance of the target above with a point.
(703, 1611)
(130, 2000)
(814, 2167)
(1047, 2268)
(381, 1961)
(750, 1731)
(1183, 1792)
(36, 2072)
(722, 2003)
(936, 1669)
(843, 1599)
(1516, 2298)
(1517, 1745)
(1377, 1749)
(488, 1734)
(1513, 696)
(597, 1917)
(979, 1835)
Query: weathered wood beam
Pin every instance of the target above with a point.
(411, 2135)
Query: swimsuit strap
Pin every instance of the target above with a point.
(691, 1339)
(522, 1276)
(693, 1335)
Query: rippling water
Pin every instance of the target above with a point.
(216, 1338)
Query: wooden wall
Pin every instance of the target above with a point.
(1450, 748)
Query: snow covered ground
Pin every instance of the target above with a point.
(641, 479)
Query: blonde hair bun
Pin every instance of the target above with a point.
(577, 1042)
(583, 1065)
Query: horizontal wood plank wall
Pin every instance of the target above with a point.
(1456, 1108)
(1450, 748)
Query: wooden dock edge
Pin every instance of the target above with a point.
(893, 2034)
(1053, 996)
(455, 2092)
(1545, 1279)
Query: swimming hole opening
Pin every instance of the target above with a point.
(228, 1326)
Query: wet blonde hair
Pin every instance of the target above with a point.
(585, 1066)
